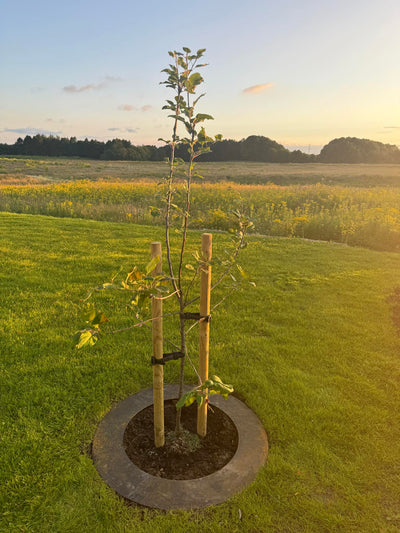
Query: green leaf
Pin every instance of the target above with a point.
(202, 136)
(193, 81)
(201, 117)
(200, 399)
(135, 300)
(107, 286)
(182, 63)
(177, 208)
(155, 211)
(88, 313)
(201, 96)
(216, 386)
(186, 399)
(99, 319)
(242, 272)
(163, 289)
(135, 275)
(86, 336)
(152, 265)
(189, 267)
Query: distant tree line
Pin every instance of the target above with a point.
(353, 150)
(253, 148)
(117, 149)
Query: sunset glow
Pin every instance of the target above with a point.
(299, 73)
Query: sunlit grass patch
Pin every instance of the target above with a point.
(312, 350)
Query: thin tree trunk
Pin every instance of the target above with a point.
(182, 368)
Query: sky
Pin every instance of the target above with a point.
(299, 72)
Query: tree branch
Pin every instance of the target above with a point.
(143, 322)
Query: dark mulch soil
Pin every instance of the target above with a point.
(215, 451)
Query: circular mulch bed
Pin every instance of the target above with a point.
(133, 483)
(185, 457)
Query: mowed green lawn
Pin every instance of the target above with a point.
(312, 350)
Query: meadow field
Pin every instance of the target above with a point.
(43, 169)
(313, 350)
(353, 204)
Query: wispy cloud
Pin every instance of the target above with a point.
(31, 131)
(255, 89)
(392, 127)
(91, 86)
(88, 87)
(128, 107)
(56, 120)
(129, 130)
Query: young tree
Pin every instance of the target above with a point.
(183, 78)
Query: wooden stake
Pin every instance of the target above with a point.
(158, 374)
(204, 326)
